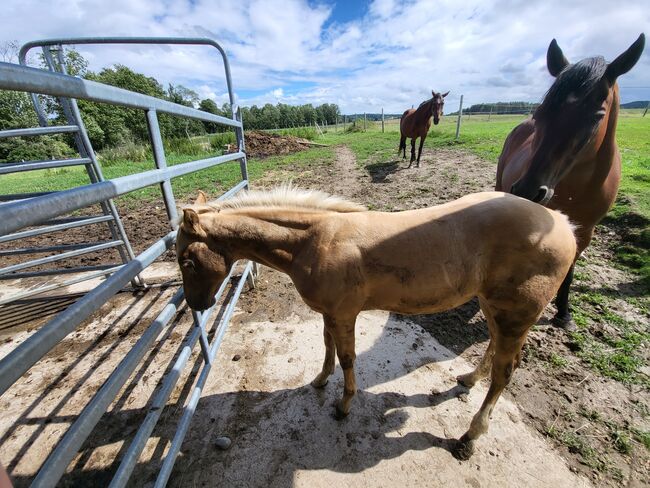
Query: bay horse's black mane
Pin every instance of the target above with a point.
(576, 80)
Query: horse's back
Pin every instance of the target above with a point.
(515, 155)
(406, 122)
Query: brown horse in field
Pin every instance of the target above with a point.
(343, 259)
(416, 123)
(566, 157)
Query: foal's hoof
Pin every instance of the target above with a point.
(466, 380)
(463, 449)
(339, 413)
(316, 383)
(566, 324)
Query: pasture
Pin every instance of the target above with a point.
(586, 393)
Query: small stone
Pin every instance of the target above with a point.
(236, 357)
(223, 443)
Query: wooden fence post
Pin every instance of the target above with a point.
(460, 114)
(364, 121)
(382, 119)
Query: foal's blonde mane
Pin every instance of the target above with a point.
(289, 196)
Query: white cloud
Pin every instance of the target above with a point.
(392, 58)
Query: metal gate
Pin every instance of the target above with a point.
(20, 211)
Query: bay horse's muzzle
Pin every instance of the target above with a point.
(541, 194)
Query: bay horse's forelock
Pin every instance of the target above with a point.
(343, 263)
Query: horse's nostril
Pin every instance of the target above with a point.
(541, 194)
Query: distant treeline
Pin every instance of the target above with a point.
(500, 108)
(638, 104)
(110, 126)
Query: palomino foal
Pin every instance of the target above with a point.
(510, 252)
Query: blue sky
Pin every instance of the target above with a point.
(362, 55)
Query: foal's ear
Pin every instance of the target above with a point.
(626, 61)
(191, 222)
(433, 93)
(555, 60)
(445, 94)
(202, 199)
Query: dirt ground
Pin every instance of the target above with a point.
(547, 397)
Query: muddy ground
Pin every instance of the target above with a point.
(571, 399)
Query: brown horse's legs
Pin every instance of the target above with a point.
(328, 364)
(402, 146)
(344, 339)
(420, 151)
(563, 317)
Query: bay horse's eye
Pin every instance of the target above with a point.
(188, 264)
(600, 114)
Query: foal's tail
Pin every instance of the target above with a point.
(402, 144)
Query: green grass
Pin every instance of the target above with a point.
(616, 355)
(214, 180)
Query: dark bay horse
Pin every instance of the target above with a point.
(344, 259)
(416, 123)
(566, 157)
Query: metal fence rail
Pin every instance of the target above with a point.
(43, 209)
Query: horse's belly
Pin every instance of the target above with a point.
(412, 304)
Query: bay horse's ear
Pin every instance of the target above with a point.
(445, 94)
(202, 199)
(433, 93)
(555, 60)
(191, 222)
(626, 61)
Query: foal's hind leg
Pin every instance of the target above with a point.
(328, 364)
(343, 333)
(504, 362)
(402, 146)
(508, 340)
(481, 371)
(484, 367)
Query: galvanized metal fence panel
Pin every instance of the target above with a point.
(44, 209)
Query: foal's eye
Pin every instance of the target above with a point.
(600, 114)
(188, 264)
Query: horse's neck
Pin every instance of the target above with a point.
(268, 236)
(425, 110)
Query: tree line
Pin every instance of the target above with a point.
(501, 108)
(111, 126)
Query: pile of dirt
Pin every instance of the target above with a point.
(263, 144)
